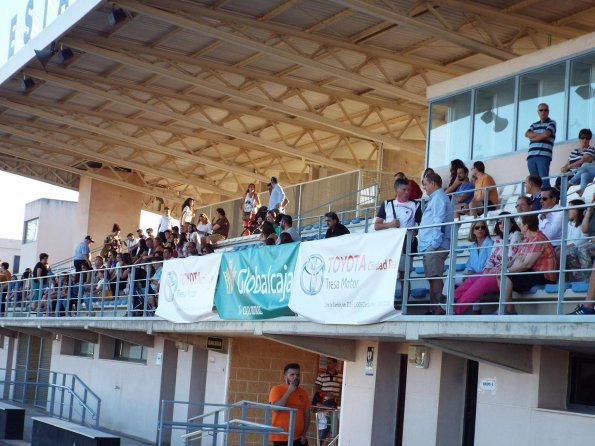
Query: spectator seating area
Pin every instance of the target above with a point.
(65, 295)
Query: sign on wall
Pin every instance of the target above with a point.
(29, 25)
(349, 279)
(256, 283)
(187, 288)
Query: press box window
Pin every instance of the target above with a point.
(82, 348)
(30, 230)
(126, 351)
(581, 388)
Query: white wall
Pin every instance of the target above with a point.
(357, 410)
(421, 402)
(514, 407)
(8, 249)
(55, 233)
(129, 391)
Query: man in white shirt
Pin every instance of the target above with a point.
(399, 212)
(277, 199)
(166, 223)
(550, 223)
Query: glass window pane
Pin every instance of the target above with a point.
(82, 348)
(30, 230)
(582, 95)
(450, 130)
(493, 120)
(130, 352)
(546, 85)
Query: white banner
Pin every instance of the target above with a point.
(349, 279)
(187, 288)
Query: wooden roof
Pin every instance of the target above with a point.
(199, 98)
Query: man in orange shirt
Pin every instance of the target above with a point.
(483, 180)
(290, 395)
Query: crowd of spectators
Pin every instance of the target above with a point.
(132, 266)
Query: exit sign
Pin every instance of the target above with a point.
(214, 343)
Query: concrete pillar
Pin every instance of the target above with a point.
(386, 399)
(102, 204)
(357, 409)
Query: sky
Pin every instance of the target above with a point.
(17, 191)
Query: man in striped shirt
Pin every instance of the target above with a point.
(328, 384)
(542, 135)
(581, 162)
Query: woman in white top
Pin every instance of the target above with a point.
(187, 211)
(204, 226)
(249, 206)
(577, 254)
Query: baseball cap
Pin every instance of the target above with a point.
(90, 239)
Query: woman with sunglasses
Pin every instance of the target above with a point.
(581, 162)
(479, 285)
(480, 249)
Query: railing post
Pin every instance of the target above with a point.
(53, 393)
(407, 273)
(267, 421)
(79, 296)
(160, 425)
(62, 396)
(216, 429)
(131, 284)
(70, 409)
(452, 267)
(118, 272)
(244, 414)
(504, 270)
(563, 189)
(562, 269)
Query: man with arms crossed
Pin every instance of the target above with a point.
(290, 395)
(434, 242)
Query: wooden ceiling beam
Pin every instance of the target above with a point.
(404, 20)
(129, 141)
(249, 73)
(287, 56)
(331, 42)
(493, 14)
(97, 156)
(192, 98)
(155, 192)
(69, 83)
(332, 124)
(174, 130)
(38, 172)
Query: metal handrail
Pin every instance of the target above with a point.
(237, 425)
(94, 413)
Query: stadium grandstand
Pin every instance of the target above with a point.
(395, 195)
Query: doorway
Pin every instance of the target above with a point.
(470, 403)
(32, 366)
(401, 391)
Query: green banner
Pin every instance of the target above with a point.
(256, 283)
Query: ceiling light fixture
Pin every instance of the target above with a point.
(46, 54)
(117, 15)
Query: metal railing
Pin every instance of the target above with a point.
(211, 420)
(62, 395)
(65, 294)
(118, 291)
